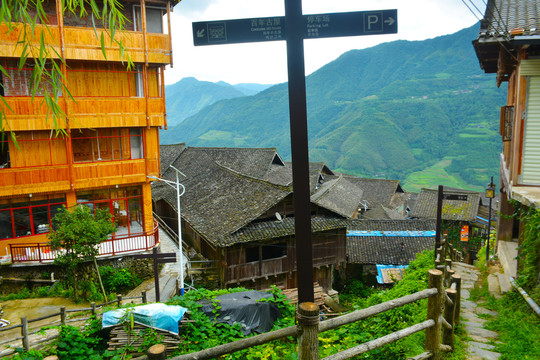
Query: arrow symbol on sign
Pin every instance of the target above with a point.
(200, 33)
(389, 21)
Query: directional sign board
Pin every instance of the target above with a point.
(315, 26)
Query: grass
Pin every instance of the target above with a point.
(435, 174)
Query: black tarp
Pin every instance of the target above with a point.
(245, 308)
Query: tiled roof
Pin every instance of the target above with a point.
(228, 188)
(338, 195)
(381, 212)
(376, 191)
(169, 153)
(218, 200)
(388, 250)
(258, 231)
(457, 210)
(500, 18)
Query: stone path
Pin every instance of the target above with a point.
(480, 346)
(167, 277)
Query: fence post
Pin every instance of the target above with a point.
(307, 316)
(63, 315)
(449, 313)
(456, 278)
(52, 357)
(434, 312)
(119, 299)
(157, 352)
(93, 306)
(144, 297)
(24, 334)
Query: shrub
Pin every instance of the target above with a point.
(118, 280)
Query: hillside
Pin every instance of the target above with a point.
(422, 112)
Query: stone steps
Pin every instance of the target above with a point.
(480, 346)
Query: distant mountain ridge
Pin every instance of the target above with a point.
(422, 112)
(189, 95)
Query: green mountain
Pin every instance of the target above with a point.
(189, 95)
(419, 111)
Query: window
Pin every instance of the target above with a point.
(26, 216)
(271, 251)
(124, 204)
(154, 19)
(107, 145)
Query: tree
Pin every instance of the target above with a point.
(77, 234)
(48, 80)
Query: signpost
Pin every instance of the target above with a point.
(313, 27)
(294, 28)
(161, 258)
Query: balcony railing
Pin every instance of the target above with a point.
(42, 252)
(81, 43)
(252, 270)
(39, 179)
(85, 112)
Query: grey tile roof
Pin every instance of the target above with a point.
(381, 212)
(388, 250)
(457, 210)
(219, 200)
(338, 195)
(169, 153)
(500, 18)
(376, 191)
(259, 231)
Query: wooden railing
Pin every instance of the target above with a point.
(111, 173)
(81, 43)
(441, 314)
(42, 252)
(85, 112)
(253, 270)
(62, 316)
(42, 178)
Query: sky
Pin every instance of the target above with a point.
(266, 62)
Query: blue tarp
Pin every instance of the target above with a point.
(380, 268)
(404, 233)
(160, 316)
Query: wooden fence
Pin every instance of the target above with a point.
(62, 319)
(442, 316)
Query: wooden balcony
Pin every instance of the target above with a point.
(81, 43)
(253, 270)
(109, 173)
(85, 112)
(20, 181)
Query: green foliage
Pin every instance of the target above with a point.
(32, 354)
(74, 345)
(118, 280)
(76, 234)
(355, 289)
(390, 321)
(529, 250)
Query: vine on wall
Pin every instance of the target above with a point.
(529, 249)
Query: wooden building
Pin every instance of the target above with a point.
(238, 211)
(508, 45)
(109, 141)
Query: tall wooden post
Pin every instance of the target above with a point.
(434, 312)
(63, 315)
(308, 331)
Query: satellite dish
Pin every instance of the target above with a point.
(278, 216)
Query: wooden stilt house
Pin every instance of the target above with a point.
(109, 140)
